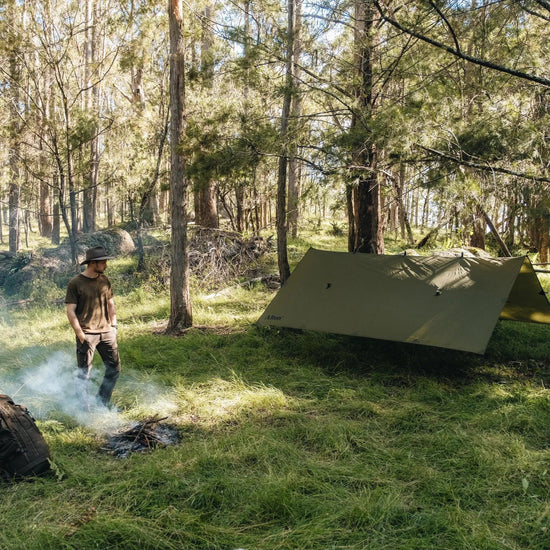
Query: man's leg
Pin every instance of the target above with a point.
(108, 350)
(84, 358)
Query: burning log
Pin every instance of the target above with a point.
(142, 437)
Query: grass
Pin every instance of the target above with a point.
(290, 440)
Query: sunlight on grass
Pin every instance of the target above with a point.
(40, 327)
(226, 400)
(291, 440)
(235, 306)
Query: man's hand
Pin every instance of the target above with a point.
(71, 315)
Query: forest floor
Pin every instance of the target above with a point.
(286, 439)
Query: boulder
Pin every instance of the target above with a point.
(18, 272)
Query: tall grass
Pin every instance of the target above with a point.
(290, 440)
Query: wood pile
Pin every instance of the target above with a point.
(143, 436)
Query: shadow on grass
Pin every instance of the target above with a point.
(519, 349)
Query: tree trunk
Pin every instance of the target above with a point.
(282, 252)
(145, 200)
(239, 206)
(366, 197)
(503, 248)
(294, 165)
(14, 133)
(180, 303)
(477, 237)
(56, 229)
(89, 198)
(45, 218)
(404, 222)
(206, 208)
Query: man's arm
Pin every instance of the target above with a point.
(73, 319)
(111, 310)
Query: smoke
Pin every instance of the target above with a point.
(49, 389)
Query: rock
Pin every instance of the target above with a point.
(18, 272)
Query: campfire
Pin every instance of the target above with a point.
(142, 437)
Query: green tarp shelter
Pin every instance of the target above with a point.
(442, 301)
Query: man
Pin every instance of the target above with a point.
(92, 314)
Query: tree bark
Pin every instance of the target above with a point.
(294, 164)
(205, 198)
(501, 243)
(180, 303)
(282, 252)
(14, 131)
(89, 198)
(477, 237)
(366, 197)
(404, 223)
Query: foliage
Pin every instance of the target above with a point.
(450, 131)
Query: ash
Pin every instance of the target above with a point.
(142, 437)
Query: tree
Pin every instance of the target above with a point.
(91, 105)
(367, 222)
(282, 253)
(206, 210)
(180, 302)
(294, 164)
(15, 78)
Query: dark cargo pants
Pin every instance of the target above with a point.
(106, 345)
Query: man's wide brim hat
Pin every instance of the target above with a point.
(96, 253)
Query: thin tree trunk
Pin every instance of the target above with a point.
(282, 252)
(351, 217)
(14, 137)
(145, 200)
(477, 238)
(402, 210)
(89, 193)
(56, 229)
(502, 244)
(180, 303)
(295, 167)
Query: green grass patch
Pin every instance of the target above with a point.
(289, 439)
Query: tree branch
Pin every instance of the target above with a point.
(543, 4)
(460, 54)
(485, 167)
(449, 26)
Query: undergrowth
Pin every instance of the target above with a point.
(290, 439)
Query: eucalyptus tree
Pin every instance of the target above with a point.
(367, 227)
(296, 109)
(180, 303)
(353, 86)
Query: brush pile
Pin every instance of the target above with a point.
(142, 437)
(218, 256)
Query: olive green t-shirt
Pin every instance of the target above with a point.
(91, 297)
